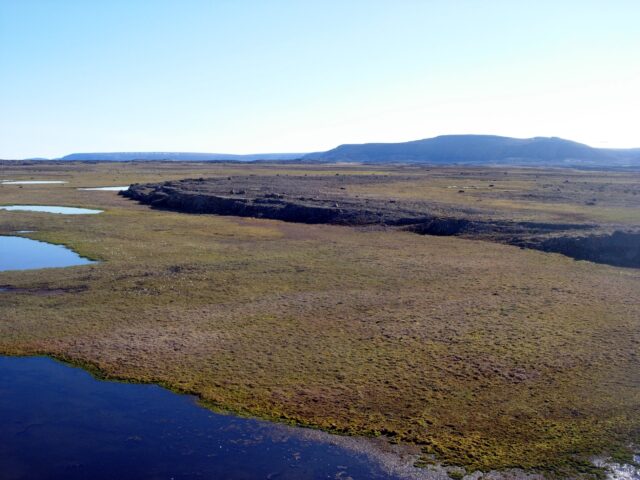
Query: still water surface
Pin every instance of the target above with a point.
(31, 182)
(19, 253)
(58, 422)
(50, 209)
(107, 189)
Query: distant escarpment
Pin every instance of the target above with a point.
(483, 150)
(178, 157)
(322, 200)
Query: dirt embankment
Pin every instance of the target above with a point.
(318, 200)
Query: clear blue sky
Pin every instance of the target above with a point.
(242, 76)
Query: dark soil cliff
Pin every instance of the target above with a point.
(319, 199)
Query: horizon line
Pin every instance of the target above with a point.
(168, 152)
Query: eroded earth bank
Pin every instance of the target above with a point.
(319, 199)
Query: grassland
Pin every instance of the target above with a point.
(488, 356)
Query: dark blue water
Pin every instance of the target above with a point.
(19, 253)
(58, 422)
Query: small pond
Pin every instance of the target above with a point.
(19, 253)
(58, 422)
(107, 189)
(50, 209)
(31, 182)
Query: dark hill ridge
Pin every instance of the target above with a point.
(178, 156)
(482, 149)
(321, 199)
(442, 150)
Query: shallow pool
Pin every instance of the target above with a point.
(31, 182)
(50, 209)
(19, 253)
(107, 189)
(59, 422)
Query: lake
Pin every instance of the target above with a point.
(58, 422)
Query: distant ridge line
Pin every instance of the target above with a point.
(441, 150)
(179, 156)
(482, 149)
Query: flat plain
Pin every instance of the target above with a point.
(486, 355)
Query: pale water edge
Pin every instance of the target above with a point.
(31, 182)
(106, 189)
(617, 471)
(50, 209)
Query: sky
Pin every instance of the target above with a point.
(249, 76)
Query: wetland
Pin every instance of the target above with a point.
(484, 356)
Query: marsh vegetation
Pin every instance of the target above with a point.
(485, 355)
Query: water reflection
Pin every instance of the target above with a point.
(19, 253)
(107, 189)
(31, 182)
(50, 209)
(60, 423)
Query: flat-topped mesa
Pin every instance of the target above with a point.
(324, 199)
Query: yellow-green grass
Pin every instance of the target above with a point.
(489, 356)
(526, 194)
